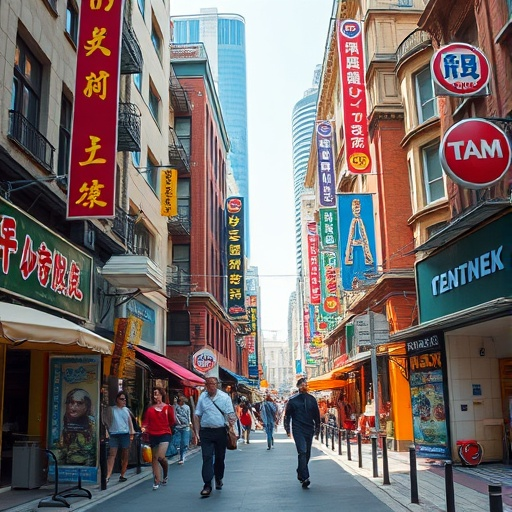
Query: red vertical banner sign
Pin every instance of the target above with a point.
(314, 266)
(92, 169)
(352, 79)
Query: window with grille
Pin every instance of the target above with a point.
(66, 110)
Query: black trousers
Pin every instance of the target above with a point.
(213, 450)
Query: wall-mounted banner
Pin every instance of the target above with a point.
(330, 282)
(39, 265)
(73, 417)
(428, 396)
(328, 227)
(326, 175)
(356, 240)
(92, 168)
(314, 266)
(235, 256)
(352, 78)
(169, 192)
(127, 333)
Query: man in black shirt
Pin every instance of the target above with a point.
(302, 410)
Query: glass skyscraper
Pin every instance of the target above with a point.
(223, 36)
(303, 124)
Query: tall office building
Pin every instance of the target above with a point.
(223, 36)
(303, 124)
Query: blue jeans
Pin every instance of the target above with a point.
(303, 442)
(213, 450)
(182, 440)
(269, 429)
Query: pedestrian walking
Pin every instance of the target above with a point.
(246, 419)
(158, 422)
(182, 428)
(302, 410)
(214, 410)
(120, 431)
(268, 412)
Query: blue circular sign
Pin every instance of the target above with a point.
(350, 28)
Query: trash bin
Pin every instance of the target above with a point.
(27, 464)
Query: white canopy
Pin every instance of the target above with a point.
(19, 323)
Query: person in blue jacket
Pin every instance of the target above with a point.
(302, 410)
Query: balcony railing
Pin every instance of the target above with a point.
(123, 227)
(413, 43)
(128, 138)
(180, 224)
(178, 157)
(30, 140)
(178, 281)
(131, 54)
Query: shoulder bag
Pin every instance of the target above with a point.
(232, 439)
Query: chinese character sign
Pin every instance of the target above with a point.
(235, 257)
(356, 239)
(326, 175)
(39, 265)
(169, 192)
(328, 227)
(460, 69)
(355, 124)
(92, 169)
(314, 264)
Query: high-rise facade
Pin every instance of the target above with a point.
(223, 36)
(303, 123)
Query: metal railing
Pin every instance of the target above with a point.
(28, 137)
(414, 42)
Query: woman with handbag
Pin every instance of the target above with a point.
(158, 421)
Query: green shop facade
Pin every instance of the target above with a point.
(460, 353)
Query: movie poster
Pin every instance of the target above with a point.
(73, 416)
(428, 398)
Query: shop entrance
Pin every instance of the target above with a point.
(15, 412)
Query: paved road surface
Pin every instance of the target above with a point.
(256, 480)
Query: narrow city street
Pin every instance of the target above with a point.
(256, 479)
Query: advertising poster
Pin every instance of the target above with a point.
(428, 397)
(356, 239)
(73, 416)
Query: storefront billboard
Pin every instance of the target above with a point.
(39, 265)
(74, 417)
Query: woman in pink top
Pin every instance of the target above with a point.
(157, 422)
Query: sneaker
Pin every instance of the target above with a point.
(181, 461)
(122, 479)
(164, 481)
(306, 483)
(155, 487)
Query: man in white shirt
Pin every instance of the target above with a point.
(213, 411)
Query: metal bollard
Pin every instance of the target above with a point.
(448, 485)
(327, 428)
(385, 466)
(360, 449)
(414, 475)
(495, 498)
(103, 464)
(322, 434)
(349, 453)
(374, 456)
(332, 438)
(137, 446)
(339, 441)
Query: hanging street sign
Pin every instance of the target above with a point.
(460, 69)
(475, 153)
(367, 334)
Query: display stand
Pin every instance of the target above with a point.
(58, 498)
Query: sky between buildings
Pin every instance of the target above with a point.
(285, 40)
